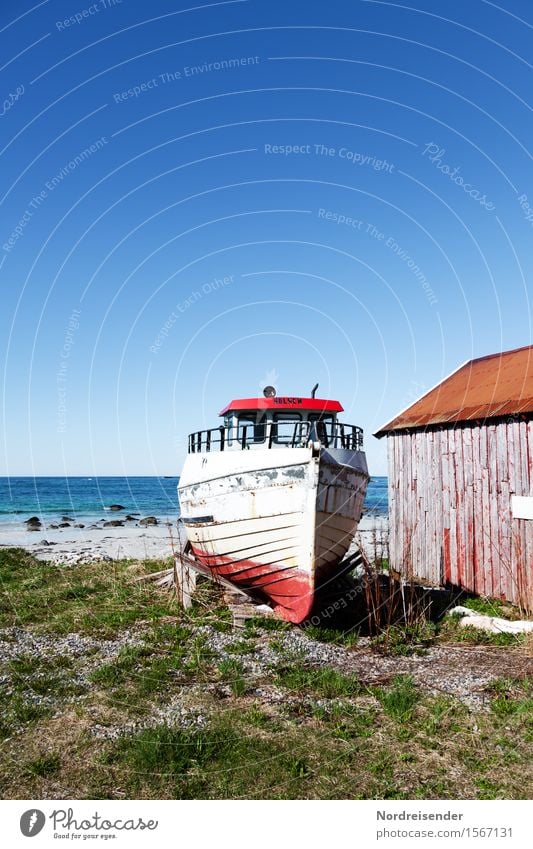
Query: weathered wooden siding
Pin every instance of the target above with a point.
(450, 507)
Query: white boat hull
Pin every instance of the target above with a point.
(277, 522)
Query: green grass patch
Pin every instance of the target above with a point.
(324, 682)
(232, 673)
(241, 647)
(17, 710)
(347, 720)
(95, 598)
(486, 606)
(405, 639)
(44, 676)
(444, 715)
(142, 672)
(44, 765)
(200, 658)
(400, 699)
(512, 697)
(120, 670)
(262, 624)
(348, 639)
(222, 761)
(257, 717)
(477, 637)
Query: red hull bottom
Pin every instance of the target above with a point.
(290, 589)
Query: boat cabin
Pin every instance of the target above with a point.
(284, 420)
(277, 422)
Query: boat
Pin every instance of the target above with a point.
(271, 499)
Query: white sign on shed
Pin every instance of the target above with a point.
(522, 506)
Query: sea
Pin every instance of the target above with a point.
(86, 500)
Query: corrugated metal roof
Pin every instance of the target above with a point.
(497, 385)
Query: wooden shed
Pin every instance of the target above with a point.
(461, 480)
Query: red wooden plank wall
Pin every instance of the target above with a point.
(450, 507)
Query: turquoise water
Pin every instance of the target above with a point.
(88, 499)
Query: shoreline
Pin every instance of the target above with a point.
(71, 545)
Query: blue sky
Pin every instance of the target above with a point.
(198, 200)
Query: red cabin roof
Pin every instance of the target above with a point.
(282, 402)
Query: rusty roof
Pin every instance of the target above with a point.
(497, 385)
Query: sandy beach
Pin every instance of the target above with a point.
(72, 545)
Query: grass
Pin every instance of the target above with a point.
(98, 599)
(300, 732)
(451, 630)
(44, 765)
(34, 685)
(347, 639)
(323, 682)
(406, 639)
(486, 606)
(213, 763)
(418, 637)
(232, 673)
(512, 697)
(400, 699)
(348, 720)
(341, 747)
(168, 653)
(241, 647)
(120, 670)
(258, 624)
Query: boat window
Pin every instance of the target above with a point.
(324, 426)
(285, 428)
(228, 424)
(324, 417)
(255, 428)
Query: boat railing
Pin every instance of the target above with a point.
(292, 434)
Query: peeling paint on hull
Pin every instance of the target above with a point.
(289, 589)
(278, 529)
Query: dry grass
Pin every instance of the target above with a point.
(372, 746)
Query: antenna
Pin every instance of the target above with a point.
(314, 389)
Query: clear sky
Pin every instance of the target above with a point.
(198, 199)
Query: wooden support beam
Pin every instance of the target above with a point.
(185, 582)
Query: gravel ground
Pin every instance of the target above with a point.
(461, 672)
(15, 642)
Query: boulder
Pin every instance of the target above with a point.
(79, 526)
(33, 524)
(64, 525)
(66, 519)
(116, 507)
(54, 527)
(114, 523)
(149, 520)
